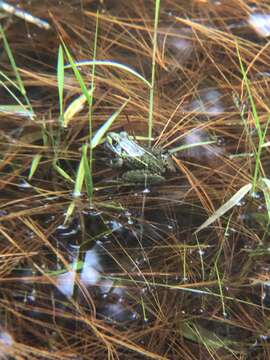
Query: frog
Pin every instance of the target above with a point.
(144, 165)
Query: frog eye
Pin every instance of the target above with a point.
(114, 142)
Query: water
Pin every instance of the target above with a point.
(124, 276)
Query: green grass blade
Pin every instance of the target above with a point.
(88, 167)
(16, 110)
(105, 127)
(87, 172)
(12, 61)
(9, 80)
(112, 64)
(256, 121)
(152, 88)
(189, 146)
(60, 80)
(70, 211)
(79, 179)
(78, 75)
(266, 192)
(63, 173)
(16, 98)
(34, 165)
(234, 200)
(220, 289)
(74, 107)
(15, 69)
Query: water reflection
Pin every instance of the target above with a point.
(5, 338)
(65, 283)
(176, 43)
(110, 297)
(208, 102)
(200, 153)
(260, 23)
(90, 270)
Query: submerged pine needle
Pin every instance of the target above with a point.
(12, 10)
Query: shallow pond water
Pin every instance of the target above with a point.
(117, 270)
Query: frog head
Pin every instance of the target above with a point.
(113, 143)
(123, 145)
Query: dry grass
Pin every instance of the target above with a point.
(126, 277)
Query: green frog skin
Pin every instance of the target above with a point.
(144, 165)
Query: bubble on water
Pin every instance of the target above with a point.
(114, 225)
(5, 338)
(256, 194)
(24, 184)
(264, 337)
(201, 252)
(134, 315)
(146, 191)
(221, 141)
(31, 298)
(241, 203)
(144, 290)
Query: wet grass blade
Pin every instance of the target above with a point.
(220, 289)
(63, 173)
(153, 75)
(70, 211)
(77, 74)
(256, 118)
(34, 165)
(14, 67)
(13, 83)
(26, 16)
(74, 107)
(189, 146)
(105, 127)
(79, 179)
(12, 61)
(20, 110)
(234, 200)
(60, 80)
(266, 192)
(111, 64)
(12, 94)
(89, 165)
(201, 335)
(87, 172)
